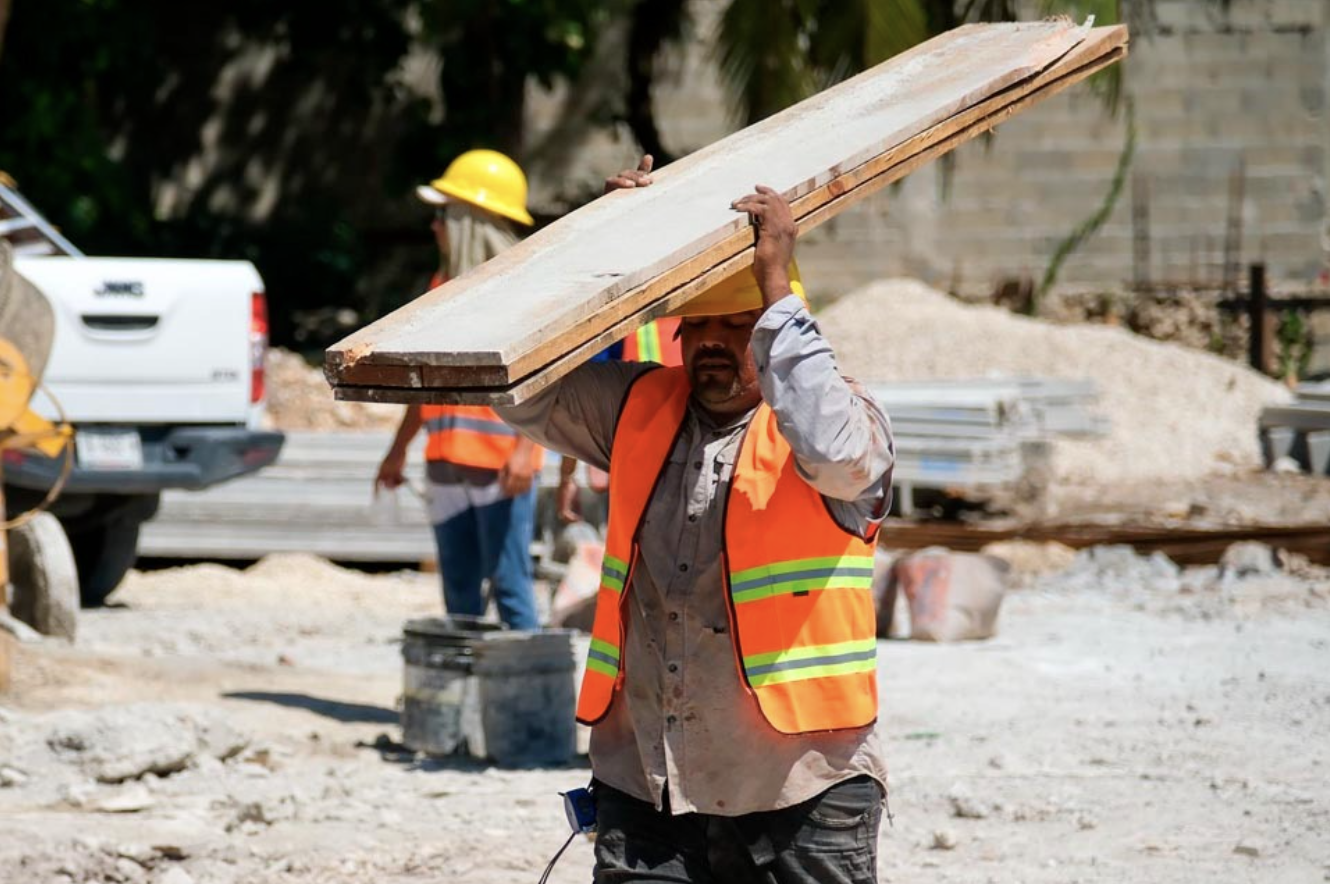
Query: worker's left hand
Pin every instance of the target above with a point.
(775, 230)
(518, 473)
(631, 178)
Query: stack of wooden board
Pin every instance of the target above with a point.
(1300, 431)
(504, 331)
(982, 438)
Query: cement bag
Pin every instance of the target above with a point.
(952, 596)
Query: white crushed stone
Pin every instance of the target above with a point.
(1176, 413)
(278, 580)
(299, 398)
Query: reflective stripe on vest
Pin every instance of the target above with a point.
(799, 585)
(469, 435)
(658, 414)
(655, 342)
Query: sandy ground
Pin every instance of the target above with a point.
(1129, 723)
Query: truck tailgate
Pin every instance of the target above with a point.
(148, 340)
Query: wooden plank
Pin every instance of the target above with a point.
(405, 383)
(556, 286)
(1184, 544)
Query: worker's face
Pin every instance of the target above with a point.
(719, 361)
(440, 227)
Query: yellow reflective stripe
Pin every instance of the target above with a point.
(801, 575)
(605, 650)
(613, 572)
(739, 577)
(849, 667)
(603, 657)
(594, 665)
(813, 661)
(648, 343)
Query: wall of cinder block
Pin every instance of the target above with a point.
(1216, 87)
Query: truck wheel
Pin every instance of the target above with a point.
(46, 583)
(105, 538)
(104, 554)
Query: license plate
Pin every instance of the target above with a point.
(109, 450)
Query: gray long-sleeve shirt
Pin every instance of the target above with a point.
(685, 722)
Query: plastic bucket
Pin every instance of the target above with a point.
(505, 696)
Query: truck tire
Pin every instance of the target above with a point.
(46, 583)
(105, 547)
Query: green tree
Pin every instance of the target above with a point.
(282, 133)
(491, 49)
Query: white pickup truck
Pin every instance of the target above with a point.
(158, 364)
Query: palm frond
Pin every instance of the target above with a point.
(1107, 84)
(763, 48)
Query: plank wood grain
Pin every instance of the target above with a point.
(442, 344)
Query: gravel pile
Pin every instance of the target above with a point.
(278, 580)
(299, 398)
(1175, 413)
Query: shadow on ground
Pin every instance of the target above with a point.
(348, 713)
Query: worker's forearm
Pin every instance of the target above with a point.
(840, 437)
(575, 416)
(407, 429)
(775, 286)
(567, 468)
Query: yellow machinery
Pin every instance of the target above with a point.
(26, 329)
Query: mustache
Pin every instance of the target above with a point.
(716, 355)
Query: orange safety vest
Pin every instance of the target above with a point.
(798, 585)
(470, 435)
(655, 342)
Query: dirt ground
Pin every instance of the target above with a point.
(1130, 722)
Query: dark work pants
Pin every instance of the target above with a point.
(829, 839)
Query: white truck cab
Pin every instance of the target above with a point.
(158, 364)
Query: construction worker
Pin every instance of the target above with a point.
(746, 491)
(482, 490)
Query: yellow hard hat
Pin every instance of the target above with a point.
(736, 294)
(484, 178)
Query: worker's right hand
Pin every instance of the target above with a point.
(391, 471)
(630, 178)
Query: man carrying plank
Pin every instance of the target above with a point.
(731, 682)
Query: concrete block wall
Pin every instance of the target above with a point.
(1212, 93)
(1213, 86)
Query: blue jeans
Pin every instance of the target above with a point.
(491, 541)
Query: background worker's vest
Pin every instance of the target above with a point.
(470, 435)
(798, 584)
(655, 342)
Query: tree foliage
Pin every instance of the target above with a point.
(283, 133)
